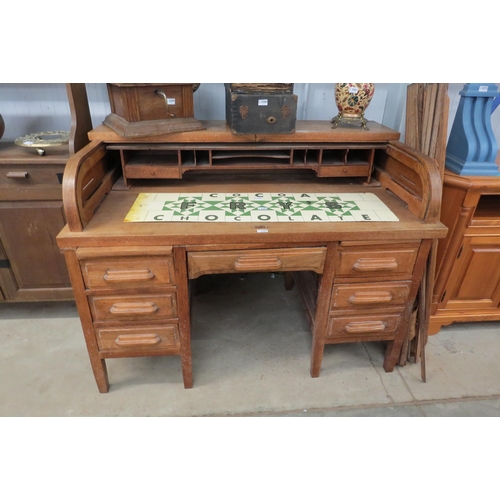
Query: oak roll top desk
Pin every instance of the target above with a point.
(359, 278)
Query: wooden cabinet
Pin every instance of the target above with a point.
(358, 279)
(32, 267)
(31, 216)
(467, 286)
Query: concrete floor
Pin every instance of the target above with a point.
(251, 345)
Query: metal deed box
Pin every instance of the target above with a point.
(260, 112)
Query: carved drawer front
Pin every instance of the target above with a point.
(127, 272)
(138, 338)
(361, 295)
(387, 263)
(245, 261)
(360, 328)
(133, 307)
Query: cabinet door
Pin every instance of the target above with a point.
(33, 267)
(478, 275)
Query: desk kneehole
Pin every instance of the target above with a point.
(262, 260)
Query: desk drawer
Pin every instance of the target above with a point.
(31, 175)
(388, 263)
(245, 261)
(134, 307)
(362, 295)
(123, 272)
(143, 338)
(362, 328)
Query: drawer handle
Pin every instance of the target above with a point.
(253, 263)
(165, 98)
(365, 327)
(137, 339)
(113, 276)
(17, 175)
(363, 298)
(370, 265)
(134, 308)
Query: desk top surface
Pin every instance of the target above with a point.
(306, 131)
(107, 227)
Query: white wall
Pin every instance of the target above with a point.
(316, 101)
(28, 108)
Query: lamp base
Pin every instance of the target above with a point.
(357, 120)
(461, 167)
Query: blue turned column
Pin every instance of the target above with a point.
(472, 147)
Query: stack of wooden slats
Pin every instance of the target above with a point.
(427, 109)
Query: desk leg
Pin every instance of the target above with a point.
(322, 311)
(181, 276)
(393, 352)
(318, 348)
(100, 374)
(98, 364)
